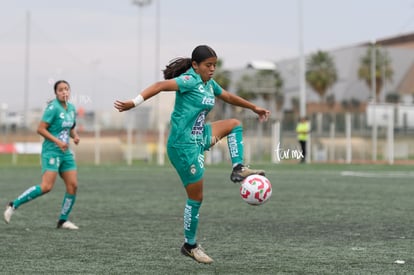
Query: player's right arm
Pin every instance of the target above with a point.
(236, 100)
(42, 130)
(152, 90)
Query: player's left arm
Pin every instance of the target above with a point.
(74, 134)
(241, 102)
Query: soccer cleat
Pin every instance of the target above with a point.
(196, 254)
(9, 212)
(240, 172)
(66, 225)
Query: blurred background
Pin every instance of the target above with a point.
(346, 65)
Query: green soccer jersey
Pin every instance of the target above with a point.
(60, 122)
(193, 101)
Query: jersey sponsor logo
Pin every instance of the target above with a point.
(201, 88)
(68, 120)
(64, 136)
(198, 126)
(66, 124)
(208, 101)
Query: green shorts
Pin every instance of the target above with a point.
(188, 160)
(58, 162)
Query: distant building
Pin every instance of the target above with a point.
(400, 50)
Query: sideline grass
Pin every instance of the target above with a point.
(319, 220)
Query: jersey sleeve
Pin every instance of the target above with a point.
(216, 88)
(185, 83)
(49, 114)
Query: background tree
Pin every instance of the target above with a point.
(246, 88)
(262, 85)
(221, 76)
(321, 75)
(265, 85)
(321, 72)
(383, 68)
(269, 88)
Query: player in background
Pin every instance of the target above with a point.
(196, 92)
(302, 131)
(57, 127)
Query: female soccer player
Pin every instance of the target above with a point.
(57, 127)
(190, 136)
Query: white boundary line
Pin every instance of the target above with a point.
(396, 174)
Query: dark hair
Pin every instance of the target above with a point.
(176, 67)
(180, 65)
(201, 53)
(57, 84)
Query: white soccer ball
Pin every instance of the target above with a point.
(255, 189)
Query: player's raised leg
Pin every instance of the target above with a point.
(233, 129)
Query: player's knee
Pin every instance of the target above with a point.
(46, 187)
(72, 187)
(198, 198)
(234, 122)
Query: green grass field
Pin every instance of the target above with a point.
(321, 219)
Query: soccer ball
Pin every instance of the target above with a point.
(255, 189)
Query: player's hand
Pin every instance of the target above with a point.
(62, 145)
(76, 139)
(263, 114)
(124, 105)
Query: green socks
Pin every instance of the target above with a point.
(68, 202)
(191, 220)
(35, 191)
(28, 195)
(235, 144)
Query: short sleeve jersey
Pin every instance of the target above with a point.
(60, 122)
(194, 100)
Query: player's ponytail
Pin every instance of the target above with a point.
(177, 67)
